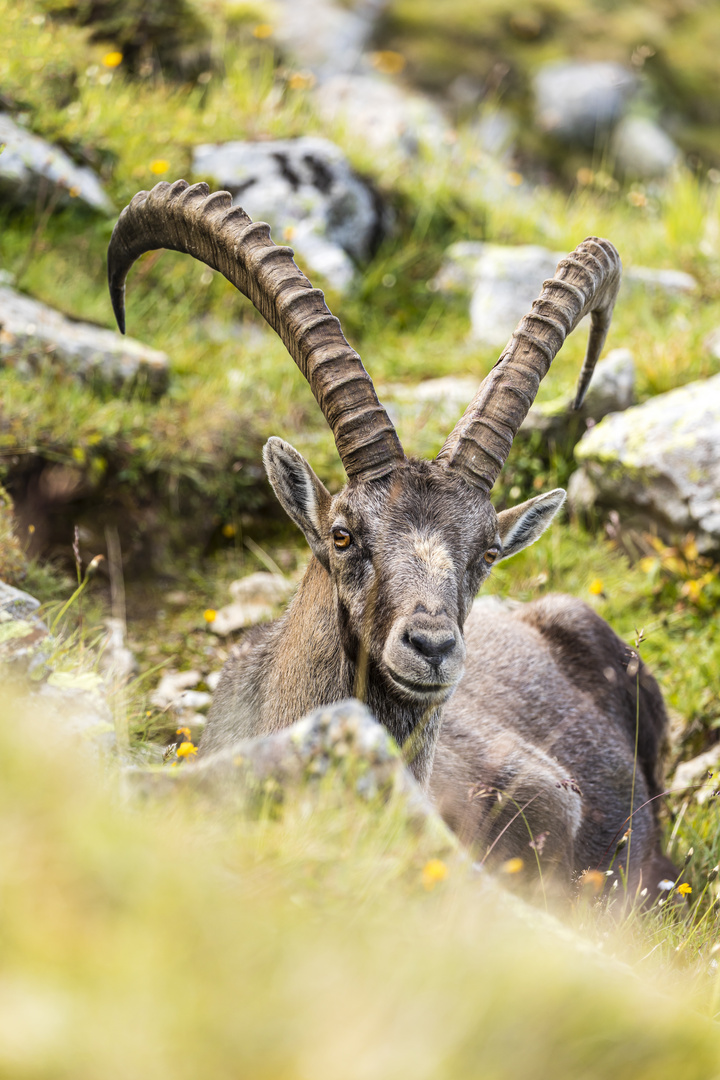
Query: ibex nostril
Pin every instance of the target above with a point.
(433, 649)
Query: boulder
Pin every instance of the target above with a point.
(255, 599)
(31, 168)
(13, 563)
(507, 282)
(711, 344)
(642, 150)
(578, 102)
(172, 686)
(503, 281)
(33, 334)
(343, 738)
(326, 36)
(444, 400)
(305, 189)
(385, 115)
(612, 390)
(23, 634)
(660, 461)
(75, 702)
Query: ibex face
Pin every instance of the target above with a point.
(406, 555)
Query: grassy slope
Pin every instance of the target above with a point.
(155, 937)
(180, 945)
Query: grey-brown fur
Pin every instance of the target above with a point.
(544, 710)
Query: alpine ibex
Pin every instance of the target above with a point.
(500, 709)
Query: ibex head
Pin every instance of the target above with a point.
(406, 543)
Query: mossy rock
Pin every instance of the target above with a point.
(12, 556)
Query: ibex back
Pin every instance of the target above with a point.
(520, 719)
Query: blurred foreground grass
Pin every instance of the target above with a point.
(173, 943)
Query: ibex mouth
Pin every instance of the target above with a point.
(421, 690)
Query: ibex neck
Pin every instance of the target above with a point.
(311, 668)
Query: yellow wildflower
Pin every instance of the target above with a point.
(262, 30)
(592, 879)
(512, 866)
(210, 615)
(596, 587)
(186, 749)
(73, 192)
(228, 531)
(31, 529)
(433, 871)
(183, 731)
(112, 59)
(689, 548)
(513, 178)
(693, 590)
(159, 166)
(585, 176)
(684, 889)
(648, 564)
(388, 62)
(301, 80)
(637, 198)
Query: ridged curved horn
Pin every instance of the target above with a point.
(221, 235)
(586, 281)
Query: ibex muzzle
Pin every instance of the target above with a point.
(384, 609)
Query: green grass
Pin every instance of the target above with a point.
(171, 943)
(174, 941)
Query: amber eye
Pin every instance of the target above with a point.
(491, 555)
(341, 539)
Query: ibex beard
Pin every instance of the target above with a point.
(514, 719)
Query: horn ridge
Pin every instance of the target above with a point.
(188, 218)
(586, 281)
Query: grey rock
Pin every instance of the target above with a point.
(261, 588)
(670, 283)
(171, 687)
(581, 492)
(305, 189)
(661, 461)
(579, 102)
(23, 634)
(212, 680)
(324, 35)
(613, 385)
(191, 700)
(76, 703)
(385, 115)
(711, 344)
(700, 773)
(444, 400)
(31, 333)
(508, 280)
(117, 661)
(494, 133)
(343, 738)
(256, 599)
(16, 604)
(29, 167)
(612, 390)
(641, 149)
(503, 281)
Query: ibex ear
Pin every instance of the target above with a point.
(302, 495)
(521, 525)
